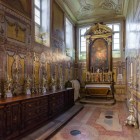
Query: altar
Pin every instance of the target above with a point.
(99, 75)
(99, 90)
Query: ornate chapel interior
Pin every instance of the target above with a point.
(69, 69)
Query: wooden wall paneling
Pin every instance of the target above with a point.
(69, 99)
(2, 126)
(56, 104)
(21, 115)
(33, 113)
(12, 120)
(43, 109)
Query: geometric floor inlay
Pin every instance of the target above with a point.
(108, 117)
(96, 122)
(75, 132)
(109, 120)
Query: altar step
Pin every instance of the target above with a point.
(98, 101)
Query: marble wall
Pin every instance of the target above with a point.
(133, 52)
(21, 56)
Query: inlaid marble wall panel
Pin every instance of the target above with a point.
(17, 42)
(3, 58)
(36, 72)
(10, 61)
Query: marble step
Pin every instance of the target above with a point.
(98, 101)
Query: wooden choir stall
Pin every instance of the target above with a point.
(99, 75)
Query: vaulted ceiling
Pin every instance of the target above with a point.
(85, 11)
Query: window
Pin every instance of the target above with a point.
(116, 40)
(37, 12)
(69, 37)
(82, 43)
(42, 21)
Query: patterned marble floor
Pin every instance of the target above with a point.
(98, 122)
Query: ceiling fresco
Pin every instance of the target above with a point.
(94, 9)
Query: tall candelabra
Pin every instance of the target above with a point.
(131, 120)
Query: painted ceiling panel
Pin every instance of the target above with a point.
(85, 9)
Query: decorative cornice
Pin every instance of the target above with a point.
(67, 10)
(100, 19)
(8, 10)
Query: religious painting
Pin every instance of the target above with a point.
(57, 27)
(99, 55)
(99, 49)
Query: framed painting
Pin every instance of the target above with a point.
(99, 55)
(57, 26)
(99, 48)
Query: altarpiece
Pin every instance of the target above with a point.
(99, 75)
